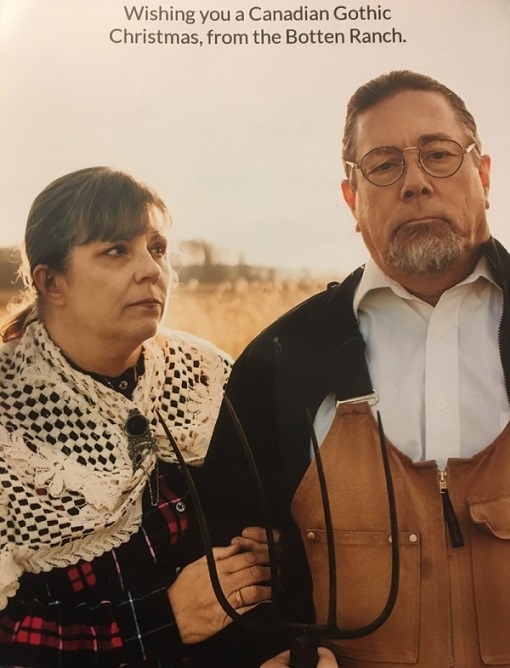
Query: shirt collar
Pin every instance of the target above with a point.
(375, 279)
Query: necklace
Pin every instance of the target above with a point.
(126, 382)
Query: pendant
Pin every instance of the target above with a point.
(141, 442)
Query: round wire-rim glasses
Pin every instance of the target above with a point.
(384, 165)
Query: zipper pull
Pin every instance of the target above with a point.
(450, 517)
(443, 485)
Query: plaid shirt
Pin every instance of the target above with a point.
(112, 611)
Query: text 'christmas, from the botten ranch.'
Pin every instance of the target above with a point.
(174, 26)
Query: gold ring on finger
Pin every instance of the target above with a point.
(239, 598)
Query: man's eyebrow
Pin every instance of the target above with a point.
(421, 140)
(433, 137)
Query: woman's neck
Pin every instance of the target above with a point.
(107, 358)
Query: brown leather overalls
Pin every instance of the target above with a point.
(453, 604)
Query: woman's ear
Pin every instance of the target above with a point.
(48, 284)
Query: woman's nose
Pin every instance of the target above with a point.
(149, 269)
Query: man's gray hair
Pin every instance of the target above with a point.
(386, 86)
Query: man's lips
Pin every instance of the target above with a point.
(425, 219)
(421, 220)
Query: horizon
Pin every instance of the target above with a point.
(242, 142)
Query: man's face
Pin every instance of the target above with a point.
(420, 224)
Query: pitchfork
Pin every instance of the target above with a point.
(306, 636)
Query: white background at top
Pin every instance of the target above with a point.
(243, 143)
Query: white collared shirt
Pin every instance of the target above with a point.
(437, 369)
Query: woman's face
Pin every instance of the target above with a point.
(115, 291)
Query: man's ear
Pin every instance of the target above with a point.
(349, 195)
(350, 198)
(485, 177)
(49, 284)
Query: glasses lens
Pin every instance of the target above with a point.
(441, 157)
(383, 166)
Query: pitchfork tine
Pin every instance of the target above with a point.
(206, 539)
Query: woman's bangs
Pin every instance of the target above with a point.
(120, 224)
(121, 215)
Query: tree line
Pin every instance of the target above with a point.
(198, 259)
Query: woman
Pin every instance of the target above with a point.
(93, 512)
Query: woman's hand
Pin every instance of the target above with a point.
(253, 538)
(326, 660)
(195, 606)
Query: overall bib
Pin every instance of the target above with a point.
(453, 603)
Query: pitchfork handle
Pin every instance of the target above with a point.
(303, 652)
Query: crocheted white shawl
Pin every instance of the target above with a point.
(67, 486)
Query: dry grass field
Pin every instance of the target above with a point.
(229, 315)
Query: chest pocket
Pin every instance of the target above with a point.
(363, 560)
(490, 541)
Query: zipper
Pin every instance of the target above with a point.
(452, 523)
(451, 654)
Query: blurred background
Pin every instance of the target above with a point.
(242, 140)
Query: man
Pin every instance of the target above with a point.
(420, 337)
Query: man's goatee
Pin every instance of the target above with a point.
(423, 248)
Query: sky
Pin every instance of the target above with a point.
(242, 140)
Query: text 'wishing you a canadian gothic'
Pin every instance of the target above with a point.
(173, 26)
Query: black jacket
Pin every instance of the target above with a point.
(313, 350)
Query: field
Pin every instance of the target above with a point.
(229, 315)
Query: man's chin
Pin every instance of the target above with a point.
(424, 249)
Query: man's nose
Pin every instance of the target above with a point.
(415, 180)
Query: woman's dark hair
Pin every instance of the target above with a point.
(386, 86)
(93, 204)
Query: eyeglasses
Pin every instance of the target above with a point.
(384, 165)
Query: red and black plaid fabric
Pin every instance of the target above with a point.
(112, 611)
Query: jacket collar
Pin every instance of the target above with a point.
(499, 261)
